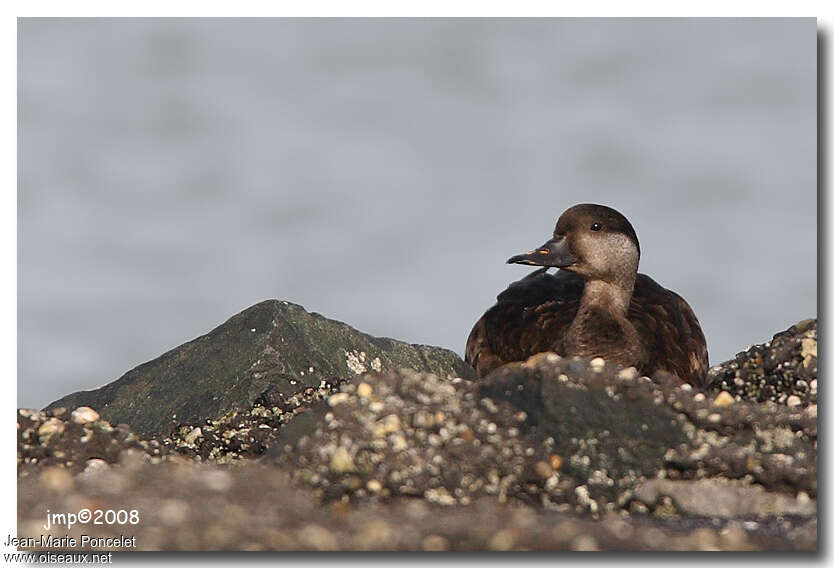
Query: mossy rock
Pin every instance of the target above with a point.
(271, 350)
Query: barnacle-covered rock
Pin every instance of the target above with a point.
(783, 370)
(548, 454)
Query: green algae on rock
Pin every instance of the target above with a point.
(271, 351)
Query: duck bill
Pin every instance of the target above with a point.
(554, 252)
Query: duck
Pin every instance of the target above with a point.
(595, 305)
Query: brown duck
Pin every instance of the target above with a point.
(596, 305)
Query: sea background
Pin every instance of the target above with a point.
(380, 172)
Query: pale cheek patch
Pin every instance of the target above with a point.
(612, 254)
(623, 246)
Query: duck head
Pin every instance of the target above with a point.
(593, 241)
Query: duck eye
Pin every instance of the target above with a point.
(596, 227)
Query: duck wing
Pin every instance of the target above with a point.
(670, 331)
(530, 317)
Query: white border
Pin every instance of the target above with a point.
(242, 8)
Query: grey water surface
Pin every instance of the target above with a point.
(380, 172)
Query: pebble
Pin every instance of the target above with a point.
(555, 462)
(50, 428)
(95, 465)
(629, 373)
(793, 400)
(374, 486)
(192, 436)
(543, 469)
(724, 399)
(84, 415)
(398, 443)
(734, 538)
(364, 390)
(489, 405)
(338, 398)
(440, 496)
(173, 512)
(217, 480)
(809, 348)
(318, 537)
(375, 533)
(502, 540)
(341, 462)
(57, 479)
(435, 543)
(584, 543)
(387, 425)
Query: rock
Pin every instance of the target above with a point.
(584, 543)
(95, 465)
(543, 469)
(341, 461)
(605, 429)
(435, 543)
(258, 508)
(50, 428)
(218, 480)
(711, 498)
(424, 436)
(782, 368)
(84, 415)
(46, 442)
(337, 398)
(194, 435)
(559, 432)
(246, 434)
(56, 479)
(556, 462)
(270, 351)
(631, 373)
(724, 399)
(548, 454)
(364, 390)
(317, 537)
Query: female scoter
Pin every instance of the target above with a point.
(597, 305)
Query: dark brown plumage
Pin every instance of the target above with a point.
(596, 305)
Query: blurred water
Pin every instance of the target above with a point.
(175, 172)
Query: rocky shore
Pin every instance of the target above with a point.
(282, 430)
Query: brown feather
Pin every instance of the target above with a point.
(533, 314)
